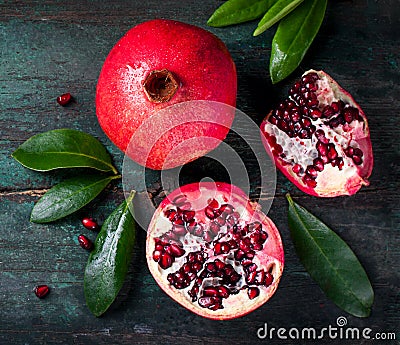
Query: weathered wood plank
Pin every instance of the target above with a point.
(50, 47)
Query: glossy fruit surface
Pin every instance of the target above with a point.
(157, 64)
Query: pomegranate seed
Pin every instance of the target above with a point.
(252, 267)
(225, 248)
(64, 99)
(315, 113)
(178, 221)
(268, 279)
(211, 267)
(322, 148)
(349, 151)
(260, 277)
(328, 111)
(296, 168)
(309, 78)
(210, 291)
(85, 243)
(223, 291)
(357, 160)
(210, 212)
(358, 152)
(318, 164)
(239, 254)
(309, 181)
(166, 261)
(226, 208)
(253, 292)
(257, 246)
(213, 204)
(311, 171)
(156, 255)
(90, 223)
(176, 250)
(219, 264)
(251, 277)
(311, 103)
(212, 303)
(217, 248)
(348, 115)
(188, 215)
(197, 266)
(245, 244)
(41, 291)
(332, 154)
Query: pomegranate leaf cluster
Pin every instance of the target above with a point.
(66, 149)
(299, 22)
(330, 262)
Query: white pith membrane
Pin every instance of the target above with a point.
(330, 181)
(269, 258)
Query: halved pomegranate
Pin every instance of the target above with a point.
(213, 251)
(319, 138)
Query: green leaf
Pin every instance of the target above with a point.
(109, 261)
(279, 10)
(330, 262)
(63, 148)
(294, 36)
(68, 197)
(238, 11)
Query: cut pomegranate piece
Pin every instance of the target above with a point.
(222, 269)
(319, 138)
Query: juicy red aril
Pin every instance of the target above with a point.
(90, 223)
(41, 291)
(64, 99)
(85, 243)
(213, 303)
(253, 292)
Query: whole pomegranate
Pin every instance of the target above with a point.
(213, 251)
(157, 64)
(319, 138)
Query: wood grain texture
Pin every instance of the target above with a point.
(51, 47)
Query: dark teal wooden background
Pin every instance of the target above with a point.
(52, 47)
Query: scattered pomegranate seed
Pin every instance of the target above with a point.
(41, 291)
(64, 99)
(85, 243)
(90, 224)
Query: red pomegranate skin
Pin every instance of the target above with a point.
(202, 68)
